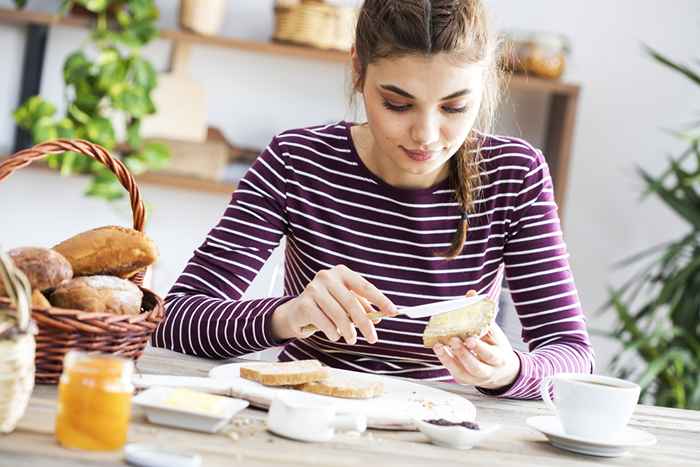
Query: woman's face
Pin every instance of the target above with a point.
(420, 110)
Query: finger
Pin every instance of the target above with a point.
(371, 312)
(333, 310)
(366, 289)
(354, 309)
(471, 293)
(496, 336)
(318, 320)
(490, 354)
(470, 363)
(453, 366)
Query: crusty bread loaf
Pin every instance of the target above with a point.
(284, 373)
(345, 386)
(99, 294)
(44, 268)
(39, 300)
(472, 320)
(111, 251)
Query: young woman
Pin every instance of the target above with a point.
(416, 205)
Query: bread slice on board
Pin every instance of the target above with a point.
(471, 320)
(284, 373)
(345, 386)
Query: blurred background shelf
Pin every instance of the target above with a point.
(562, 95)
(22, 17)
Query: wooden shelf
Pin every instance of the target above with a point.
(164, 180)
(22, 17)
(563, 96)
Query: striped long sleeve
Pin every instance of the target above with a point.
(205, 315)
(542, 287)
(311, 186)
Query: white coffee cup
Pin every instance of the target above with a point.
(594, 407)
(307, 417)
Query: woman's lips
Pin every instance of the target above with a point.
(419, 156)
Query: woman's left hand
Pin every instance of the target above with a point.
(489, 362)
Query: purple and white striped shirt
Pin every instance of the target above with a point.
(310, 186)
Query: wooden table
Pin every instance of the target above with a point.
(33, 444)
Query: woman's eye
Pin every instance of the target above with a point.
(455, 110)
(395, 107)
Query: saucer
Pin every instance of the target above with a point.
(615, 446)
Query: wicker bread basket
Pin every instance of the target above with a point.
(16, 346)
(61, 330)
(315, 24)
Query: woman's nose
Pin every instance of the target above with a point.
(425, 132)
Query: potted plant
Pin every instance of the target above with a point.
(106, 81)
(658, 309)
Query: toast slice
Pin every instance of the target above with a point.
(471, 320)
(346, 387)
(284, 373)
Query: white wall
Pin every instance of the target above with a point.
(626, 101)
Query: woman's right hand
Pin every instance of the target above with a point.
(336, 301)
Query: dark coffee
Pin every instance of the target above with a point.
(598, 383)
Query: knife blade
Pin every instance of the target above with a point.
(437, 308)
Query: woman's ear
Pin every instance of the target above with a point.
(357, 84)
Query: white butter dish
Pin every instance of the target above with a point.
(188, 409)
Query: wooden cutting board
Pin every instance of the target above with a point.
(180, 102)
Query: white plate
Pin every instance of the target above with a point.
(401, 403)
(152, 402)
(616, 446)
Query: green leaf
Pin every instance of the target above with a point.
(65, 128)
(688, 212)
(156, 155)
(143, 73)
(132, 100)
(133, 134)
(100, 131)
(108, 190)
(654, 369)
(136, 165)
(44, 130)
(96, 6)
(77, 67)
(687, 72)
(20, 4)
(32, 110)
(78, 115)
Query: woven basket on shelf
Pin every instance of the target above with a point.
(315, 24)
(61, 330)
(16, 346)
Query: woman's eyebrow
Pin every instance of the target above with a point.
(401, 92)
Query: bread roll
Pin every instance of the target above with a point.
(44, 268)
(99, 294)
(111, 251)
(39, 301)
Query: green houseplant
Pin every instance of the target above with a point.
(104, 78)
(658, 309)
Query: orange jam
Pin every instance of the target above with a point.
(94, 401)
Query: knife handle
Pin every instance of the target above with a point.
(311, 329)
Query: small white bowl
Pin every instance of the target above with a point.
(456, 437)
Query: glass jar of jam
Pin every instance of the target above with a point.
(94, 401)
(540, 54)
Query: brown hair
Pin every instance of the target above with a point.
(395, 28)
